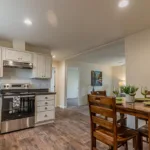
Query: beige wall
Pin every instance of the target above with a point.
(85, 78)
(118, 74)
(61, 90)
(6, 43)
(137, 51)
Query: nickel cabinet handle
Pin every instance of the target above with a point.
(45, 108)
(45, 116)
(46, 103)
(46, 97)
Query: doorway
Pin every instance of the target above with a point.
(72, 86)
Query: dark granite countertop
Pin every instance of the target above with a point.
(45, 93)
(26, 91)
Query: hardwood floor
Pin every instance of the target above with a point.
(71, 131)
(72, 102)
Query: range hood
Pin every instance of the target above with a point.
(15, 64)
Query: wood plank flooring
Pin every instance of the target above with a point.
(71, 131)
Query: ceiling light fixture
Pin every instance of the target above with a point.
(28, 22)
(123, 3)
(54, 56)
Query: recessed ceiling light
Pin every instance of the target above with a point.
(123, 3)
(28, 22)
(54, 56)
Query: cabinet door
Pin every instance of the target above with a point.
(41, 66)
(17, 56)
(48, 67)
(12, 55)
(26, 57)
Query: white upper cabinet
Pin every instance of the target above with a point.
(48, 67)
(42, 66)
(9, 54)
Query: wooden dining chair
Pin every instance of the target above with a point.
(108, 131)
(100, 93)
(143, 132)
(137, 119)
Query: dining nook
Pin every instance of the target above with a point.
(111, 116)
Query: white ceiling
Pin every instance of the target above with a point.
(110, 55)
(71, 26)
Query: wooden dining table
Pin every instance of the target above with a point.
(136, 109)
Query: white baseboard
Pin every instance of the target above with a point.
(62, 106)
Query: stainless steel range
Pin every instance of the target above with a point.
(18, 107)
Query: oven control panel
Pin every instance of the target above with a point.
(15, 86)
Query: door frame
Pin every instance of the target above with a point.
(54, 78)
(67, 67)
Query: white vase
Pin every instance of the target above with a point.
(130, 99)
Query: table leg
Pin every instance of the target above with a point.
(149, 128)
(122, 116)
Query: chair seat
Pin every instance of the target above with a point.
(143, 130)
(124, 134)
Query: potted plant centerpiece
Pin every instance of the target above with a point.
(116, 92)
(130, 92)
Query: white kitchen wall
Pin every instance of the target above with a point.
(14, 75)
(85, 78)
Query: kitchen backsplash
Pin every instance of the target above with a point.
(15, 75)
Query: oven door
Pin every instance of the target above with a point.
(17, 107)
(17, 112)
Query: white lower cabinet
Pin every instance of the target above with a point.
(45, 103)
(44, 109)
(44, 116)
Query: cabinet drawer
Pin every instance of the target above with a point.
(45, 97)
(43, 116)
(45, 103)
(45, 108)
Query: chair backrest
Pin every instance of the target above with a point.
(101, 93)
(103, 106)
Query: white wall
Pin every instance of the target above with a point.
(85, 78)
(137, 50)
(72, 82)
(118, 74)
